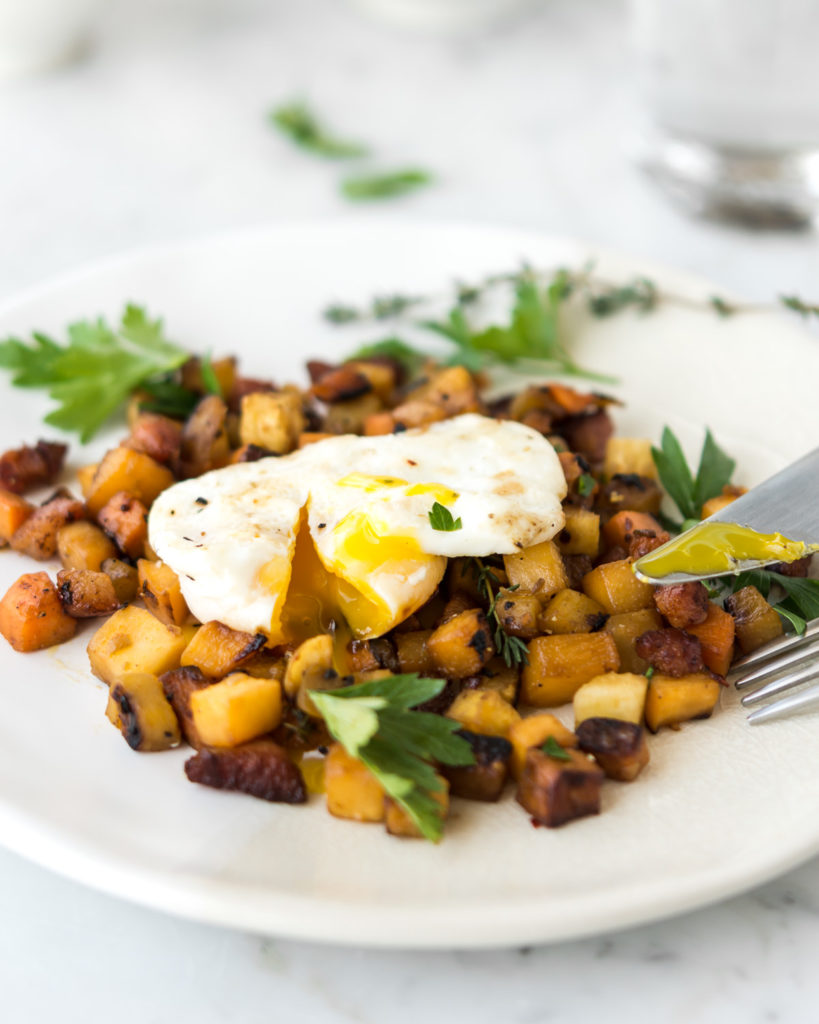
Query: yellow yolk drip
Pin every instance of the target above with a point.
(440, 493)
(369, 484)
(718, 547)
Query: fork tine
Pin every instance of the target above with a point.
(773, 647)
(791, 656)
(786, 682)
(782, 708)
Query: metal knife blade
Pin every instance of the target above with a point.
(786, 503)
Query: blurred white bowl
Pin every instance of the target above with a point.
(38, 34)
(443, 15)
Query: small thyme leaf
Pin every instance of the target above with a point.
(440, 518)
(512, 649)
(585, 485)
(555, 750)
(298, 123)
(388, 185)
(649, 672)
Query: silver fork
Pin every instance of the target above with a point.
(776, 667)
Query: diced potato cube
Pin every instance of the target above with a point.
(132, 640)
(625, 629)
(125, 518)
(755, 621)
(581, 534)
(484, 780)
(83, 545)
(311, 660)
(559, 665)
(216, 649)
(518, 612)
(556, 791)
(413, 652)
(85, 476)
(462, 645)
(626, 455)
(144, 716)
(497, 675)
(569, 611)
(272, 420)
(615, 587)
(237, 709)
(538, 569)
(160, 590)
(32, 615)
(619, 748)
(352, 790)
(673, 700)
(483, 711)
(86, 594)
(716, 635)
(123, 469)
(620, 529)
(124, 577)
(620, 695)
(533, 731)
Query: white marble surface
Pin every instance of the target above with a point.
(160, 135)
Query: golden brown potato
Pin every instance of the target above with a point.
(620, 695)
(216, 649)
(86, 594)
(484, 712)
(517, 612)
(484, 780)
(124, 577)
(144, 716)
(36, 537)
(352, 791)
(159, 589)
(629, 490)
(123, 469)
(32, 615)
(132, 640)
(555, 791)
(272, 420)
(412, 650)
(673, 700)
(350, 417)
(125, 519)
(629, 456)
(615, 587)
(538, 570)
(755, 621)
(462, 645)
(83, 545)
(559, 665)
(533, 731)
(178, 685)
(236, 709)
(625, 629)
(619, 748)
(581, 533)
(569, 611)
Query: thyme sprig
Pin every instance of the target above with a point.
(512, 649)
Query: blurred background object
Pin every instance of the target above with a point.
(731, 92)
(39, 34)
(444, 15)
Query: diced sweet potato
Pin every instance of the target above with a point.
(124, 578)
(272, 420)
(682, 604)
(559, 665)
(671, 701)
(144, 716)
(615, 587)
(581, 532)
(125, 519)
(462, 645)
(729, 493)
(85, 477)
(352, 791)
(14, 511)
(484, 780)
(413, 652)
(216, 649)
(716, 635)
(619, 748)
(37, 536)
(755, 621)
(625, 629)
(159, 589)
(86, 594)
(620, 695)
(83, 545)
(236, 709)
(132, 640)
(670, 651)
(569, 611)
(261, 769)
(622, 526)
(533, 731)
(556, 791)
(123, 469)
(538, 570)
(32, 615)
(23, 469)
(517, 612)
(484, 712)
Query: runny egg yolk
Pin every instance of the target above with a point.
(371, 484)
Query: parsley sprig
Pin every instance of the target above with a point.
(800, 603)
(440, 518)
(374, 722)
(298, 123)
(385, 185)
(553, 749)
(512, 649)
(94, 372)
(689, 491)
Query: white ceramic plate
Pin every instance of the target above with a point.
(722, 806)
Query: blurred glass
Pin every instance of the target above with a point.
(731, 93)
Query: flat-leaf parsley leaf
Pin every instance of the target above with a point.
(440, 518)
